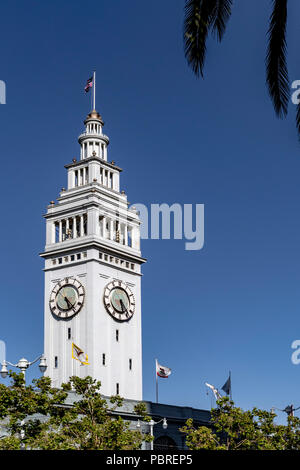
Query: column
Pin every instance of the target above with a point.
(103, 231)
(81, 226)
(74, 228)
(125, 235)
(60, 231)
(53, 232)
(67, 228)
(135, 238)
(111, 234)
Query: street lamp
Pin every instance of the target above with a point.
(152, 424)
(23, 364)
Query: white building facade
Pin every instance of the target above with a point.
(93, 274)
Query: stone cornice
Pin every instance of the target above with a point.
(90, 159)
(63, 247)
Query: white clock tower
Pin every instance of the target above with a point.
(93, 274)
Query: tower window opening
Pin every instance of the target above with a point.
(85, 224)
(130, 237)
(78, 255)
(72, 257)
(69, 333)
(130, 364)
(56, 232)
(77, 226)
(90, 148)
(59, 260)
(117, 389)
(56, 362)
(76, 177)
(103, 359)
(117, 335)
(64, 230)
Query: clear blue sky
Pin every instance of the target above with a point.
(236, 303)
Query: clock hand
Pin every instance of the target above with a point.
(124, 309)
(68, 302)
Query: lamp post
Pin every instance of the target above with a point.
(23, 364)
(152, 423)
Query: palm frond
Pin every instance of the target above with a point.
(221, 15)
(298, 120)
(277, 73)
(199, 16)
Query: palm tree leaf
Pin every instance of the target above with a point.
(298, 119)
(199, 16)
(277, 73)
(222, 14)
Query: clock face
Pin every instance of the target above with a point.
(119, 300)
(67, 298)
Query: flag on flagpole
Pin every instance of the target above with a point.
(214, 390)
(88, 85)
(79, 355)
(227, 386)
(162, 371)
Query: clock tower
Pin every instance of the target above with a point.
(93, 273)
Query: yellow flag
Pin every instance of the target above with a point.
(79, 355)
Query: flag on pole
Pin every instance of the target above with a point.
(162, 371)
(88, 85)
(227, 386)
(79, 355)
(214, 390)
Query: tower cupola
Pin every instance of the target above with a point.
(93, 142)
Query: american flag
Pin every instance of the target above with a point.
(88, 85)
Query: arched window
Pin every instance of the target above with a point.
(164, 443)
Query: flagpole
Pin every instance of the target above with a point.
(156, 380)
(94, 91)
(72, 360)
(230, 386)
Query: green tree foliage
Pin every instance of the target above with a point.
(235, 429)
(37, 417)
